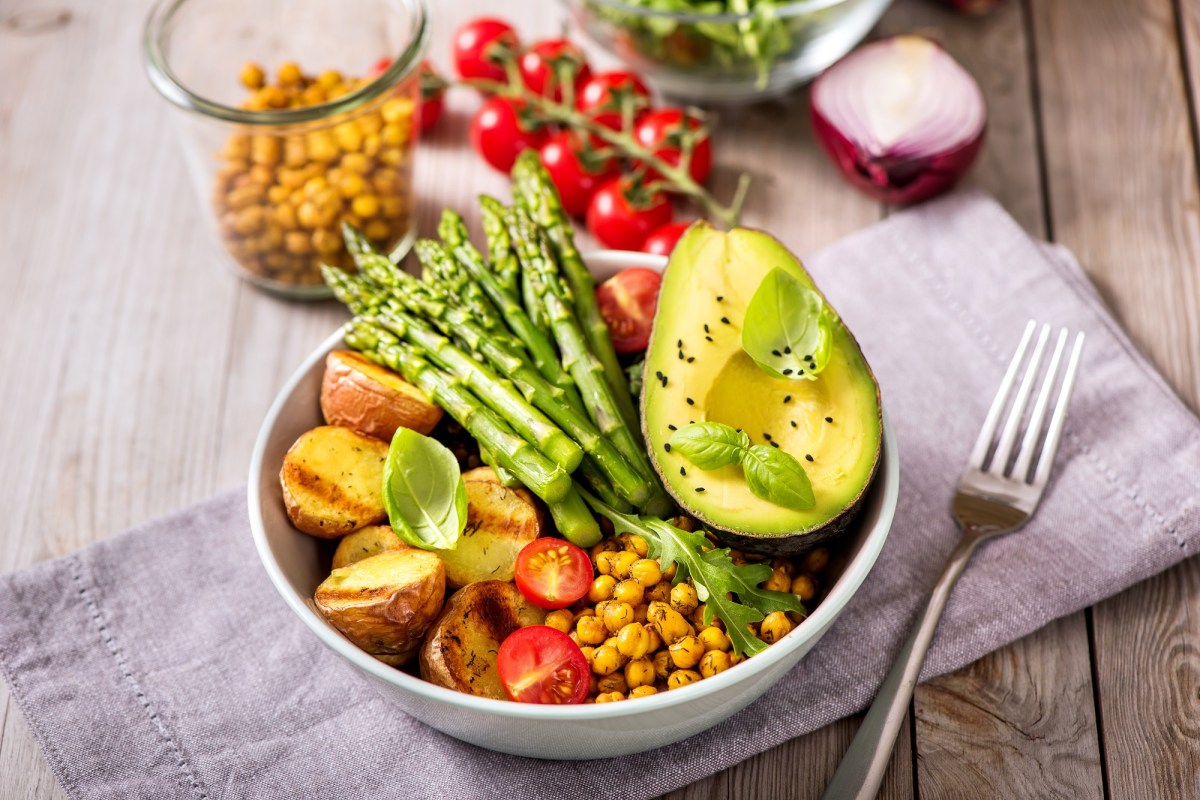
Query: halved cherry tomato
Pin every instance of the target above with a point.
(664, 239)
(661, 130)
(540, 64)
(499, 134)
(474, 47)
(621, 215)
(628, 301)
(540, 664)
(602, 96)
(553, 573)
(564, 157)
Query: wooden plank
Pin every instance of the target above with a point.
(1019, 721)
(1123, 189)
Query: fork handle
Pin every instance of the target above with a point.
(861, 771)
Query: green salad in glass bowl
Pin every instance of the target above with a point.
(727, 50)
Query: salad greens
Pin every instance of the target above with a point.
(423, 491)
(789, 328)
(713, 573)
(771, 474)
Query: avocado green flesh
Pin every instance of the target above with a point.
(725, 385)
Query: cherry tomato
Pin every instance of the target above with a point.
(601, 97)
(379, 67)
(540, 664)
(499, 135)
(540, 64)
(553, 573)
(621, 216)
(628, 301)
(564, 157)
(664, 239)
(473, 48)
(433, 92)
(660, 130)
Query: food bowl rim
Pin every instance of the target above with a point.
(830, 606)
(790, 10)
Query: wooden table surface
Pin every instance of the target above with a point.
(136, 371)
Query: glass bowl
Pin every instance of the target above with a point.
(707, 55)
(294, 118)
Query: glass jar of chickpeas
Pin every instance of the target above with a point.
(298, 118)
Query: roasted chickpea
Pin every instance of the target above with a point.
(815, 560)
(603, 546)
(617, 616)
(714, 661)
(588, 653)
(669, 623)
(591, 630)
(663, 665)
(613, 683)
(639, 672)
(561, 620)
(804, 586)
(602, 588)
(607, 660)
(683, 598)
(682, 677)
(634, 543)
(634, 640)
(623, 563)
(642, 691)
(605, 562)
(659, 592)
(609, 697)
(774, 627)
(646, 571)
(713, 638)
(628, 591)
(252, 75)
(686, 652)
(780, 581)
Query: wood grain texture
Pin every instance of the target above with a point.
(1124, 198)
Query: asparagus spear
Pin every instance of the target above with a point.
(536, 193)
(456, 281)
(583, 365)
(540, 347)
(541, 476)
(500, 255)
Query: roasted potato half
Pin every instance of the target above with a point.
(460, 650)
(500, 521)
(359, 394)
(366, 542)
(332, 481)
(385, 603)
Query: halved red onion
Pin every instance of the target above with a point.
(900, 118)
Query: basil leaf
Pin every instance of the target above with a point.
(710, 445)
(423, 492)
(777, 477)
(788, 329)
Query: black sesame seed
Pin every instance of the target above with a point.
(801, 372)
(664, 381)
(720, 297)
(794, 425)
(691, 422)
(690, 359)
(682, 471)
(776, 353)
(681, 355)
(699, 489)
(787, 398)
(667, 447)
(672, 427)
(706, 327)
(775, 444)
(787, 350)
(808, 357)
(691, 402)
(807, 457)
(658, 375)
(829, 419)
(725, 320)
(787, 372)
(679, 343)
(767, 436)
(709, 338)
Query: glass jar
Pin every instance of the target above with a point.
(296, 118)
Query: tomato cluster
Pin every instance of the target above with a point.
(625, 202)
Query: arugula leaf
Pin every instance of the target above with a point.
(423, 492)
(716, 578)
(710, 445)
(777, 477)
(788, 329)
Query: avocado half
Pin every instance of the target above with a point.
(696, 345)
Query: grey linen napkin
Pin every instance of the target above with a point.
(160, 663)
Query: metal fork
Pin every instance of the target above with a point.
(997, 493)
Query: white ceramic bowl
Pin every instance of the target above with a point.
(295, 565)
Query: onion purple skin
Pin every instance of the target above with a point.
(896, 180)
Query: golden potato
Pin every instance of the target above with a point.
(332, 480)
(460, 650)
(359, 394)
(500, 521)
(385, 603)
(366, 542)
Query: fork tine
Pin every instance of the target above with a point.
(1013, 426)
(984, 442)
(1054, 433)
(1034, 429)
